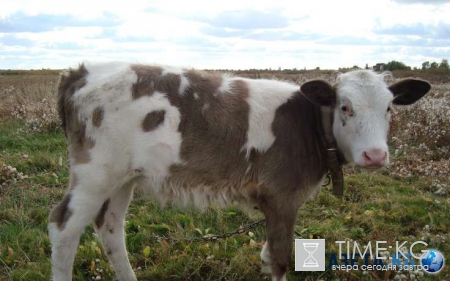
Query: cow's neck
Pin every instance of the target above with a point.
(334, 156)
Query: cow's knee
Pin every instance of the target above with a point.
(60, 214)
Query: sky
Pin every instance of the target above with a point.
(231, 34)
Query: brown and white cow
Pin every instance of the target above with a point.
(191, 136)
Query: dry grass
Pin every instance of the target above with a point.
(30, 98)
(26, 91)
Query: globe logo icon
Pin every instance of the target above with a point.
(432, 261)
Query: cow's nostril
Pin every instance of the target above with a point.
(374, 157)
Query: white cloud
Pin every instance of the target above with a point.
(224, 34)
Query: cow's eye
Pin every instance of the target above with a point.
(344, 108)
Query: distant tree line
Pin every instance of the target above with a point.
(398, 65)
(390, 66)
(43, 71)
(433, 65)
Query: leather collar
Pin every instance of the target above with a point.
(334, 156)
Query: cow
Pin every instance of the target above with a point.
(202, 138)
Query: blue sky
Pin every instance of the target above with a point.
(224, 34)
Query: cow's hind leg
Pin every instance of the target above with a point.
(68, 220)
(280, 219)
(110, 224)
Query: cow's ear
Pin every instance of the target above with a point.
(319, 92)
(408, 91)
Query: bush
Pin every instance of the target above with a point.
(396, 65)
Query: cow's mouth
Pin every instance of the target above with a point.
(373, 167)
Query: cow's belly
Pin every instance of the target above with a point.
(172, 192)
(203, 181)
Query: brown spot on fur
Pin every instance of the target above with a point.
(202, 83)
(168, 84)
(60, 214)
(79, 144)
(75, 129)
(212, 142)
(301, 160)
(152, 120)
(97, 116)
(69, 83)
(145, 84)
(100, 219)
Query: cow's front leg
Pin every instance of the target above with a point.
(280, 220)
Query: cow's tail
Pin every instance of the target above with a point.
(70, 81)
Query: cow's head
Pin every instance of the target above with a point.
(361, 102)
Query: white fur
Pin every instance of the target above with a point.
(265, 96)
(225, 87)
(367, 94)
(62, 259)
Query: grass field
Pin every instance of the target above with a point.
(410, 201)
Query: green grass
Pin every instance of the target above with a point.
(375, 207)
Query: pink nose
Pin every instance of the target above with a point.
(374, 157)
